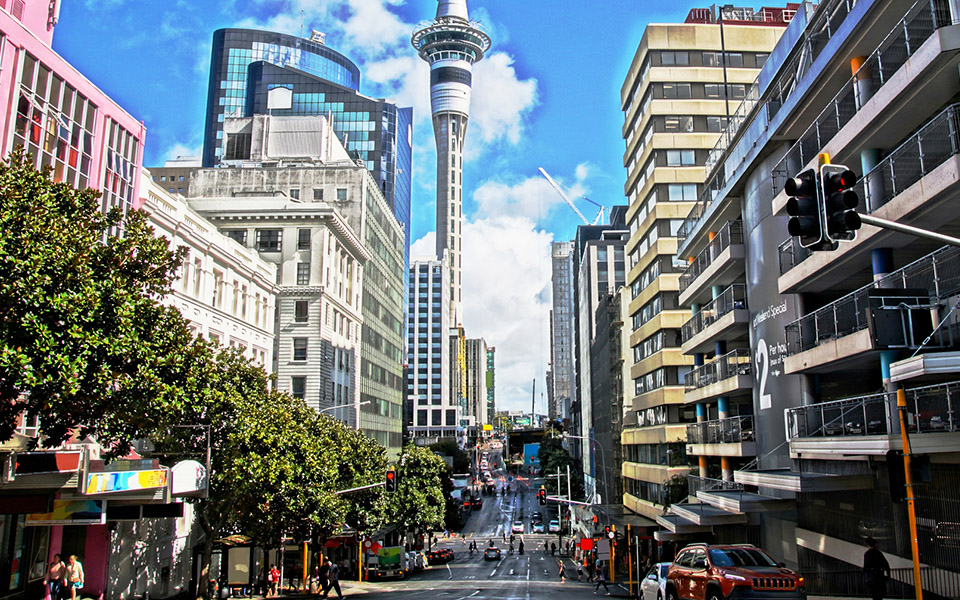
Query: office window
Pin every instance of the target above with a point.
(738, 91)
(682, 192)
(675, 58)
(298, 387)
(303, 239)
(269, 240)
(341, 194)
(299, 348)
(301, 311)
(237, 235)
(717, 124)
(317, 195)
(675, 123)
(435, 417)
(713, 91)
(303, 273)
(680, 158)
(676, 90)
(295, 194)
(734, 59)
(761, 59)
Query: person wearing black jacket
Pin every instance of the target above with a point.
(876, 570)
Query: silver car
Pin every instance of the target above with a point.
(654, 584)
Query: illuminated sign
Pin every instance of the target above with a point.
(70, 512)
(125, 481)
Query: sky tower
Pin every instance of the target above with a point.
(451, 43)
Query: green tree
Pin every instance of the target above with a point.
(84, 341)
(448, 446)
(419, 500)
(553, 456)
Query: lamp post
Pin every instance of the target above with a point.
(603, 460)
(356, 406)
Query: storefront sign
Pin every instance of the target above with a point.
(188, 478)
(125, 481)
(71, 512)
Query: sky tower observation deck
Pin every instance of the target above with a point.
(451, 43)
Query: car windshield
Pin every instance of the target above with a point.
(740, 557)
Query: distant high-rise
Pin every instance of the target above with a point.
(451, 43)
(561, 331)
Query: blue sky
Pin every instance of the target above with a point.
(546, 95)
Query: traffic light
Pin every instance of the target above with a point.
(608, 532)
(804, 210)
(839, 203)
(542, 496)
(390, 483)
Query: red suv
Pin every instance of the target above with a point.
(708, 572)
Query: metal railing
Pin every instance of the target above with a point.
(921, 21)
(731, 364)
(918, 156)
(938, 273)
(902, 42)
(729, 234)
(849, 583)
(732, 298)
(930, 409)
(732, 430)
(708, 484)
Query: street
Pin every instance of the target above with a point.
(533, 575)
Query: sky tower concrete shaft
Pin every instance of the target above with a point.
(451, 43)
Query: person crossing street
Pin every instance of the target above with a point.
(601, 580)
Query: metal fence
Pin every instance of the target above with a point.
(918, 156)
(938, 273)
(930, 409)
(723, 367)
(729, 234)
(732, 298)
(938, 584)
(733, 430)
(707, 484)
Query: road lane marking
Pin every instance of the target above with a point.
(493, 572)
(449, 572)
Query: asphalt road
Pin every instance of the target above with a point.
(531, 576)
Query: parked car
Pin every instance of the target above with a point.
(492, 553)
(536, 526)
(654, 584)
(715, 572)
(554, 526)
(517, 527)
(440, 556)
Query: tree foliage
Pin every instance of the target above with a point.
(84, 341)
(553, 456)
(448, 446)
(419, 500)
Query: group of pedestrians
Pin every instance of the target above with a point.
(598, 575)
(64, 580)
(324, 578)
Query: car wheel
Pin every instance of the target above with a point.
(659, 596)
(714, 595)
(671, 595)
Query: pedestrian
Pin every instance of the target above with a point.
(876, 570)
(520, 546)
(273, 578)
(73, 575)
(563, 571)
(579, 572)
(334, 582)
(546, 547)
(324, 575)
(54, 577)
(601, 580)
(553, 548)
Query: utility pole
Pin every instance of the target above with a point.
(533, 401)
(908, 480)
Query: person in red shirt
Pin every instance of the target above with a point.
(274, 579)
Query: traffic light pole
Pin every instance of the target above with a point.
(909, 229)
(362, 487)
(908, 480)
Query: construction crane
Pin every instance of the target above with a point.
(567, 199)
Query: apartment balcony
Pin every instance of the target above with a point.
(725, 318)
(733, 497)
(720, 263)
(892, 313)
(870, 425)
(726, 375)
(733, 436)
(806, 482)
(915, 184)
(705, 515)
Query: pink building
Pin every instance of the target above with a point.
(66, 122)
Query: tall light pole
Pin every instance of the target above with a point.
(354, 406)
(603, 460)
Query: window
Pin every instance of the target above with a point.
(680, 158)
(717, 124)
(300, 349)
(298, 387)
(237, 235)
(269, 240)
(301, 311)
(713, 91)
(738, 91)
(734, 59)
(342, 194)
(317, 195)
(303, 239)
(295, 194)
(675, 58)
(676, 90)
(682, 192)
(217, 289)
(761, 59)
(303, 273)
(678, 123)
(435, 417)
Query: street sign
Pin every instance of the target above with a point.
(510, 478)
(488, 427)
(603, 549)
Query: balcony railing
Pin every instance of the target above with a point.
(723, 367)
(732, 298)
(903, 41)
(729, 234)
(921, 21)
(938, 273)
(707, 484)
(915, 158)
(733, 430)
(930, 409)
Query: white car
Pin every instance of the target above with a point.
(654, 584)
(554, 526)
(517, 527)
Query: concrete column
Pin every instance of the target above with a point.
(716, 291)
(864, 82)
(701, 417)
(720, 348)
(723, 407)
(698, 357)
(726, 468)
(874, 188)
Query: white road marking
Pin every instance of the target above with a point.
(449, 572)
(493, 572)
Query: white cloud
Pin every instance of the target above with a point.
(532, 198)
(501, 101)
(182, 150)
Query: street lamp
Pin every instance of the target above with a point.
(357, 406)
(603, 460)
